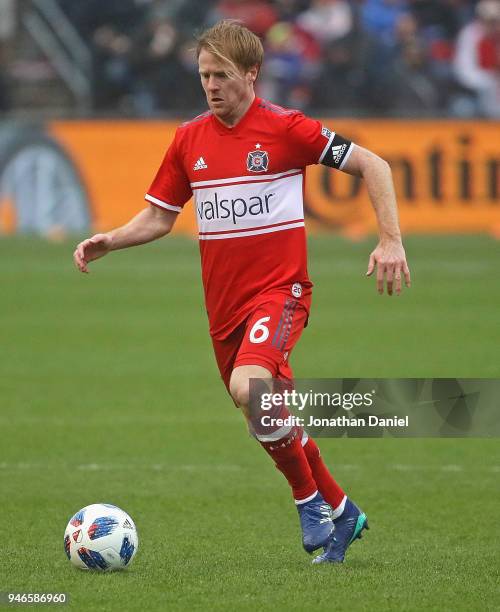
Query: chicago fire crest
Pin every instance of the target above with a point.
(257, 161)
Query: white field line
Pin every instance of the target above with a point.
(152, 267)
(224, 467)
(113, 419)
(405, 467)
(106, 467)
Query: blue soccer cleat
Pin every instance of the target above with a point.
(316, 522)
(348, 527)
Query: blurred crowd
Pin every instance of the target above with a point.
(375, 57)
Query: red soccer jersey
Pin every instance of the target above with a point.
(248, 185)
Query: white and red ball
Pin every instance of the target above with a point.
(101, 537)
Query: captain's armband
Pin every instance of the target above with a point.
(337, 150)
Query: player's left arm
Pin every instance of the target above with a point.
(389, 255)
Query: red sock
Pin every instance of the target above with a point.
(291, 461)
(329, 489)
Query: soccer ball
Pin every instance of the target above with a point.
(101, 537)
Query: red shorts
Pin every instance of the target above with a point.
(266, 338)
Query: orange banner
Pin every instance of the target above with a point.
(447, 173)
(118, 161)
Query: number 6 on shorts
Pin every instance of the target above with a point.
(259, 332)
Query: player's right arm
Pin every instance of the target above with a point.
(167, 195)
(148, 225)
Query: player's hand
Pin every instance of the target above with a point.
(91, 249)
(390, 258)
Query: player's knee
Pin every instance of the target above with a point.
(240, 392)
(239, 385)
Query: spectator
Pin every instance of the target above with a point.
(477, 59)
(155, 64)
(109, 26)
(291, 63)
(415, 90)
(165, 69)
(339, 83)
(327, 20)
(380, 18)
(190, 14)
(257, 15)
(441, 20)
(288, 10)
(438, 26)
(113, 78)
(356, 75)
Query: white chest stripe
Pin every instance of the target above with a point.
(253, 232)
(244, 179)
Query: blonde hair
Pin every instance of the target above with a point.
(232, 43)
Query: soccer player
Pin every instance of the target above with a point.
(244, 162)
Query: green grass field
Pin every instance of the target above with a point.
(109, 392)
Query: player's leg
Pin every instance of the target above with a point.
(271, 333)
(272, 355)
(348, 519)
(327, 485)
(331, 491)
(284, 445)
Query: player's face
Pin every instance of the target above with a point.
(228, 95)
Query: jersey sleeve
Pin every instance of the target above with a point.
(313, 143)
(170, 188)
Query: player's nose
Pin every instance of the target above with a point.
(212, 84)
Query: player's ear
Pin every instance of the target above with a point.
(253, 73)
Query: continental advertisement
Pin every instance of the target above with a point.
(69, 177)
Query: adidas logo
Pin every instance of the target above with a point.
(337, 152)
(200, 164)
(127, 524)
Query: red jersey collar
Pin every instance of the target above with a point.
(223, 129)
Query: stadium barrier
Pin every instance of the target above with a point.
(447, 176)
